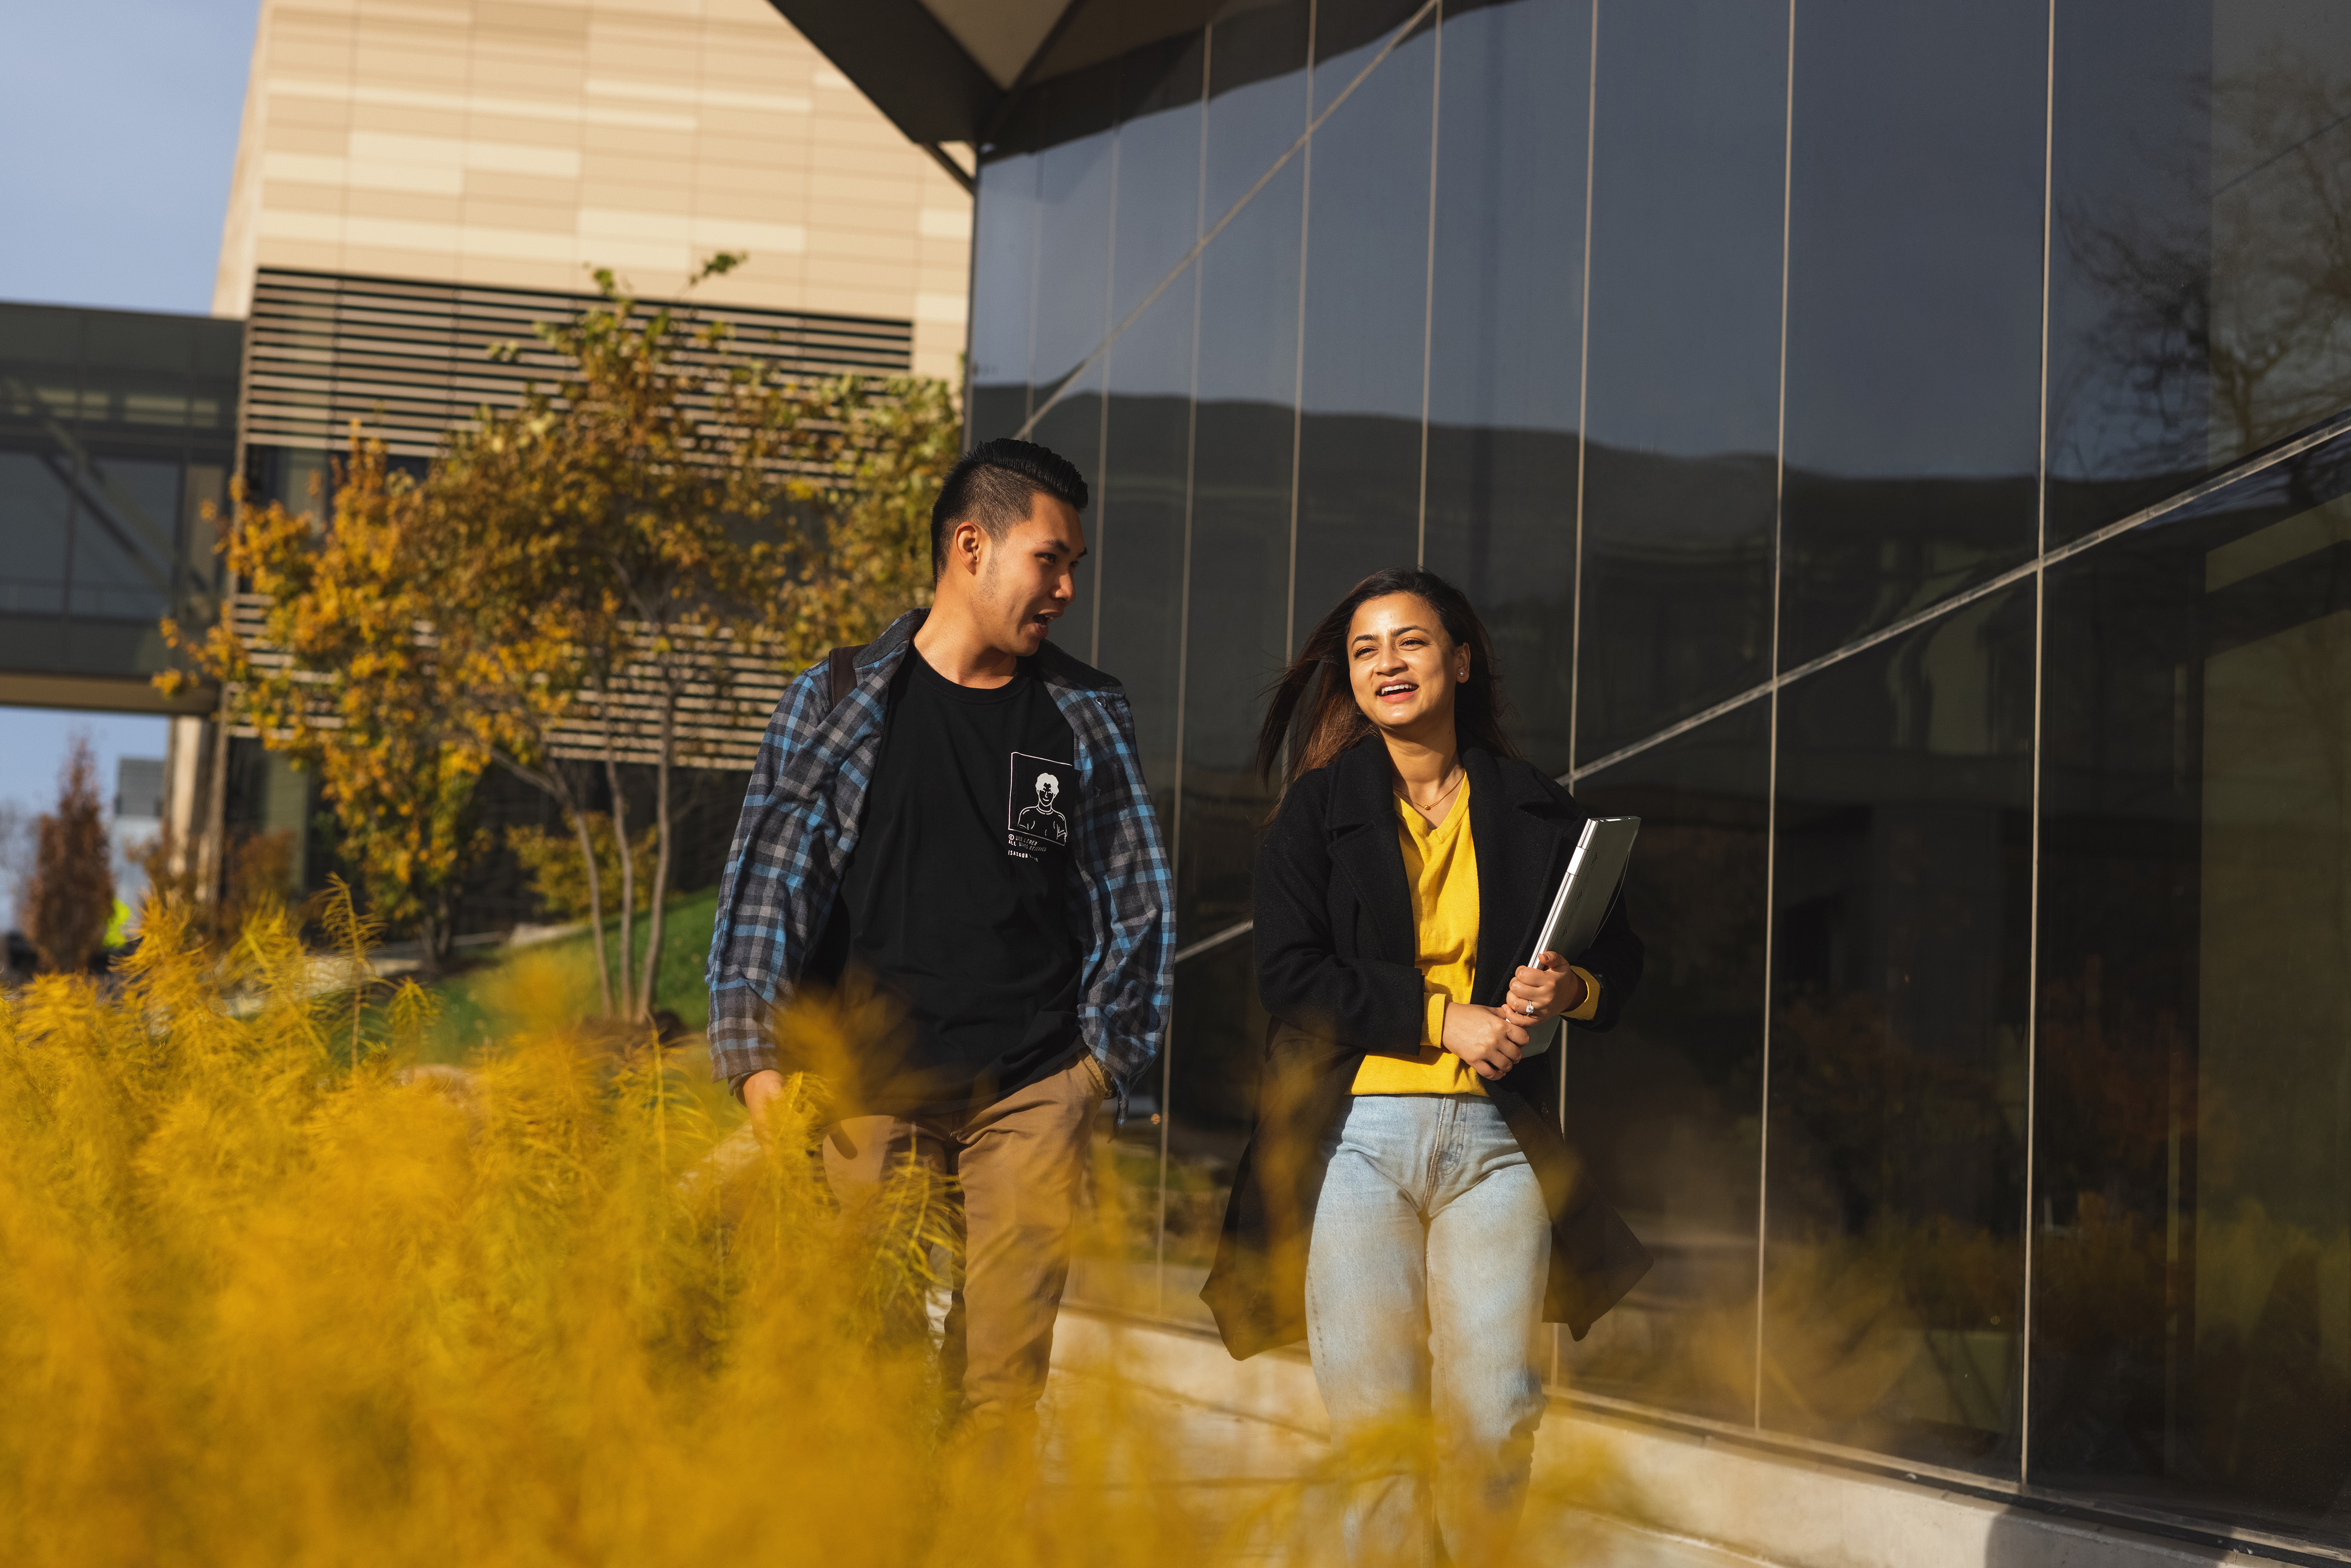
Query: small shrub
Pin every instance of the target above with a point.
(551, 856)
(260, 873)
(70, 899)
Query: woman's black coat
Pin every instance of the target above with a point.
(1336, 951)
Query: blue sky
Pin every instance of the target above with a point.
(118, 120)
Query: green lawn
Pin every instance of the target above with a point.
(469, 1009)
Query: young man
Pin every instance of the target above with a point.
(967, 829)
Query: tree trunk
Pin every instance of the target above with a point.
(558, 790)
(595, 907)
(629, 1007)
(212, 850)
(430, 940)
(656, 911)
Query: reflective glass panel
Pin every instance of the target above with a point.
(1240, 564)
(1004, 281)
(1242, 456)
(102, 479)
(1894, 1185)
(1073, 426)
(2200, 159)
(1914, 308)
(1239, 602)
(2281, 312)
(1505, 332)
(2191, 1328)
(207, 485)
(294, 478)
(1683, 381)
(2129, 386)
(1138, 546)
(1367, 304)
(1073, 234)
(1259, 97)
(136, 404)
(1220, 1033)
(1139, 530)
(125, 538)
(1159, 190)
(36, 510)
(1668, 1106)
(1136, 560)
(96, 647)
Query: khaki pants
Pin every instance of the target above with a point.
(1021, 1165)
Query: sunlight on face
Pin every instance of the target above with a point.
(1028, 577)
(1402, 666)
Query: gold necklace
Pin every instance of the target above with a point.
(1459, 773)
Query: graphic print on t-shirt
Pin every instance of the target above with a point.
(1039, 805)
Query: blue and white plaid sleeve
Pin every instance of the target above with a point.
(780, 864)
(751, 941)
(1130, 894)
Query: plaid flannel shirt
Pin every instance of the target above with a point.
(800, 825)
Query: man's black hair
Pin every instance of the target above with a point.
(994, 486)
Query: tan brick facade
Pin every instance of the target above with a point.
(522, 142)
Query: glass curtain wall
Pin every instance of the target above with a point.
(1904, 454)
(117, 430)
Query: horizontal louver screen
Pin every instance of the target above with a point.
(721, 715)
(409, 360)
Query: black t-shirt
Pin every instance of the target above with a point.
(958, 891)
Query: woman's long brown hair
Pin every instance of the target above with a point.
(1331, 722)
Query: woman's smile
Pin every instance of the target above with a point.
(1400, 663)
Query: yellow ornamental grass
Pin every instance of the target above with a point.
(270, 1293)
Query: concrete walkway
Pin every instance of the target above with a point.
(1238, 1450)
(1239, 1447)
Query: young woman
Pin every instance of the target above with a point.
(1407, 1202)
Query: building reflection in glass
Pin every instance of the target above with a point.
(1506, 311)
(1668, 1106)
(2201, 167)
(1901, 909)
(1722, 391)
(2192, 1219)
(1914, 308)
(1361, 373)
(1682, 369)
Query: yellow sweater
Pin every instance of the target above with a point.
(1441, 863)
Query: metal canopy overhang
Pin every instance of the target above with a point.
(901, 56)
(946, 71)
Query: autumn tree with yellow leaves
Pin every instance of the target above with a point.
(874, 457)
(605, 560)
(343, 676)
(628, 545)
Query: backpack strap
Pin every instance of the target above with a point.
(840, 675)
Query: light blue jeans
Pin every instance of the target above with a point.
(1423, 1308)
